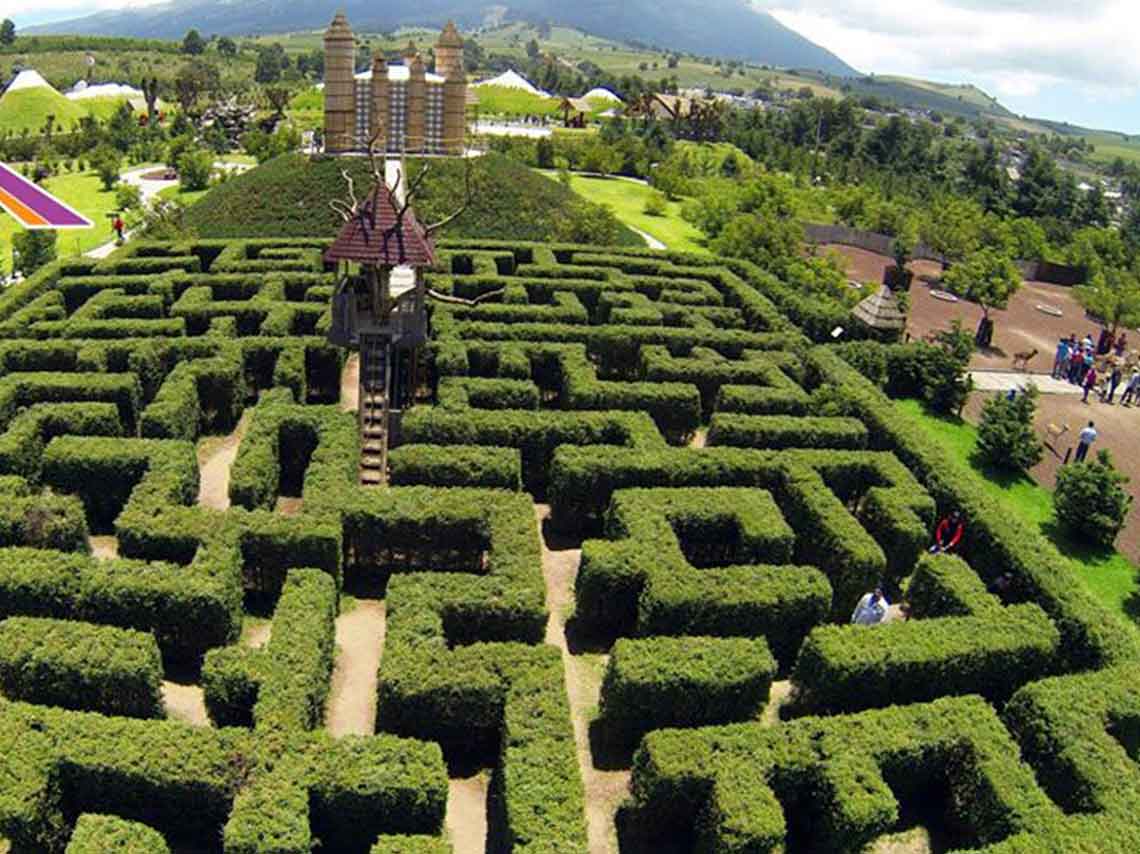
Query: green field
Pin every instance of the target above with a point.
(85, 193)
(1110, 576)
(29, 109)
(627, 201)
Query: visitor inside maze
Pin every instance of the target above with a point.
(556, 549)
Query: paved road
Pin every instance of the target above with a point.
(1005, 380)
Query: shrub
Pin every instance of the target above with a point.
(98, 834)
(1007, 438)
(1090, 501)
(81, 666)
(684, 681)
(655, 204)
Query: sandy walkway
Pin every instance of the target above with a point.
(350, 384)
(185, 703)
(216, 455)
(351, 707)
(255, 632)
(466, 818)
(104, 547)
(605, 790)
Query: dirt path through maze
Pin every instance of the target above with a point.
(605, 790)
(351, 706)
(216, 455)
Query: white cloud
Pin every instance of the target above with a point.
(1017, 47)
(28, 12)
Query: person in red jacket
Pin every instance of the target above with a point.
(948, 534)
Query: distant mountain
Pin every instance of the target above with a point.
(723, 28)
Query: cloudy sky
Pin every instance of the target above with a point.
(1070, 60)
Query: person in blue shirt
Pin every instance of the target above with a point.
(1061, 362)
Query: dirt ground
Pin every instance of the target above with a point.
(185, 703)
(350, 384)
(216, 455)
(1118, 428)
(104, 547)
(351, 706)
(1020, 328)
(466, 817)
(605, 790)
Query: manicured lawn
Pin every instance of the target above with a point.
(1110, 576)
(85, 193)
(627, 200)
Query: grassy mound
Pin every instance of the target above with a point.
(289, 197)
(30, 108)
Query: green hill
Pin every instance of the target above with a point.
(30, 108)
(289, 197)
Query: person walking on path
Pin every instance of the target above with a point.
(1121, 344)
(1089, 382)
(872, 609)
(118, 226)
(1086, 438)
(1113, 381)
(948, 534)
(1061, 361)
(1132, 389)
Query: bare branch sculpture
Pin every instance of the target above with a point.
(448, 298)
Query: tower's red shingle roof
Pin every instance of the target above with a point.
(373, 236)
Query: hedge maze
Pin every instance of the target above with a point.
(624, 529)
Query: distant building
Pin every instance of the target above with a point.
(408, 108)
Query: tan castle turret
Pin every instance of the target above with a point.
(417, 103)
(340, 91)
(449, 65)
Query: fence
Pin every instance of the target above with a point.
(844, 235)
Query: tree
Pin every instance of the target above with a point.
(7, 32)
(107, 161)
(271, 61)
(227, 47)
(953, 228)
(193, 44)
(193, 80)
(1090, 501)
(1113, 298)
(194, 168)
(600, 158)
(32, 250)
(544, 153)
(1006, 436)
(151, 90)
(988, 278)
(532, 49)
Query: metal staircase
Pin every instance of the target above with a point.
(375, 379)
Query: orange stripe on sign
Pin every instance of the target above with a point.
(20, 211)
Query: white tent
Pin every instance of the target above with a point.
(29, 79)
(81, 91)
(513, 80)
(601, 94)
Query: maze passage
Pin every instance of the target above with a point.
(604, 517)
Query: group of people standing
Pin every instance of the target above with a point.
(1081, 363)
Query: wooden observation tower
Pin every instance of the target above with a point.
(378, 306)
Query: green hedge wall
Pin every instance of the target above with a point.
(786, 431)
(685, 681)
(720, 788)
(81, 666)
(455, 465)
(99, 834)
(642, 581)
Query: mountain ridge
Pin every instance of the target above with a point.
(727, 29)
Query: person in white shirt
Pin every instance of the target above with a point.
(1087, 437)
(872, 609)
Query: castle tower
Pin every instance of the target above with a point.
(417, 104)
(381, 101)
(449, 65)
(340, 86)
